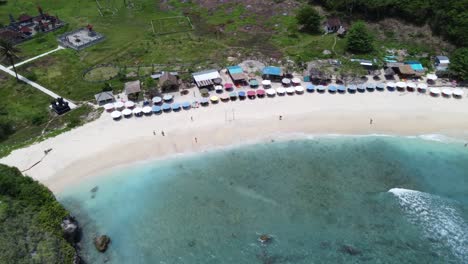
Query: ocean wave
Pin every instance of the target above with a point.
(438, 218)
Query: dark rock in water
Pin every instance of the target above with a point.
(265, 239)
(101, 243)
(191, 243)
(350, 250)
(95, 189)
(71, 230)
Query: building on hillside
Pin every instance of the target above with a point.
(237, 75)
(207, 79)
(104, 97)
(132, 89)
(168, 82)
(441, 63)
(272, 73)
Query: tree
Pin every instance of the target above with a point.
(309, 19)
(459, 63)
(9, 51)
(359, 39)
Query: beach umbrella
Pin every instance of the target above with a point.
(242, 94)
(109, 107)
(370, 87)
(214, 99)
(286, 81)
(310, 88)
(224, 97)
(352, 88)
(251, 94)
(411, 86)
(290, 90)
(332, 89)
(321, 88)
(435, 91)
(447, 92)
(204, 101)
(281, 91)
(186, 105)
(266, 83)
(228, 86)
(432, 77)
(157, 100)
(233, 95)
(129, 104)
(261, 93)
(271, 92)
(299, 89)
(204, 92)
(422, 86)
(341, 89)
(166, 107)
(175, 106)
(119, 105)
(137, 111)
(391, 85)
(127, 113)
(380, 86)
(156, 109)
(401, 85)
(296, 81)
(361, 88)
(458, 93)
(116, 115)
(168, 97)
(219, 89)
(147, 110)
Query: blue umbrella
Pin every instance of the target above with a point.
(233, 94)
(156, 109)
(175, 106)
(332, 89)
(352, 88)
(341, 88)
(186, 105)
(320, 88)
(166, 107)
(310, 87)
(157, 99)
(241, 94)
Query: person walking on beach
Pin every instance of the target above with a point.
(191, 118)
(280, 117)
(162, 133)
(196, 140)
(371, 121)
(154, 133)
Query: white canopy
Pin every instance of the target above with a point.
(286, 81)
(391, 84)
(411, 85)
(108, 106)
(280, 90)
(290, 90)
(458, 92)
(271, 92)
(422, 86)
(157, 99)
(147, 109)
(447, 91)
(116, 114)
(401, 85)
(435, 90)
(299, 89)
(127, 112)
(118, 105)
(296, 80)
(168, 97)
(129, 104)
(266, 82)
(137, 110)
(431, 77)
(218, 88)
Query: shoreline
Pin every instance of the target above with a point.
(104, 144)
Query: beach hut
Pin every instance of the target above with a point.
(175, 107)
(207, 78)
(341, 89)
(104, 97)
(272, 73)
(129, 104)
(233, 96)
(310, 88)
(266, 84)
(435, 92)
(147, 110)
(458, 93)
(119, 105)
(138, 111)
(290, 91)
(411, 87)
(380, 87)
(296, 81)
(156, 109)
(401, 86)
(157, 100)
(166, 107)
(186, 105)
(168, 98)
(391, 86)
(116, 115)
(299, 89)
(332, 89)
(271, 92)
(422, 87)
(447, 92)
(286, 82)
(228, 86)
(251, 94)
(321, 88)
(370, 87)
(242, 95)
(281, 91)
(261, 93)
(237, 74)
(224, 97)
(361, 88)
(109, 107)
(218, 89)
(127, 113)
(352, 88)
(132, 89)
(214, 99)
(204, 101)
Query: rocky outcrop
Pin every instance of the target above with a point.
(71, 230)
(350, 250)
(101, 243)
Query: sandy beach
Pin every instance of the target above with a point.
(103, 144)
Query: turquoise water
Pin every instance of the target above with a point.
(323, 200)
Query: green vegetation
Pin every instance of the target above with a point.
(359, 38)
(459, 63)
(9, 51)
(309, 19)
(30, 220)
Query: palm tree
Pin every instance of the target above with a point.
(9, 51)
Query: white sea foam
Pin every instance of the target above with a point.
(439, 220)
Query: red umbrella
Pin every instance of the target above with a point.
(251, 93)
(260, 92)
(228, 85)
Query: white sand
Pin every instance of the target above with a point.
(104, 143)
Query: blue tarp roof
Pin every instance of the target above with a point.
(415, 65)
(235, 69)
(272, 70)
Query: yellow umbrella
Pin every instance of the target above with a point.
(214, 98)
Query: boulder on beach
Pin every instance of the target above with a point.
(71, 229)
(101, 243)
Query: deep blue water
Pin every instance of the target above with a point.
(323, 200)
